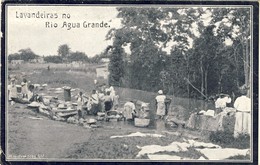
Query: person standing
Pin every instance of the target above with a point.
(160, 104)
(108, 101)
(101, 97)
(24, 85)
(116, 102)
(243, 114)
(112, 92)
(94, 102)
(80, 104)
(129, 110)
(12, 90)
(221, 102)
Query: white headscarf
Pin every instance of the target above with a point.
(160, 92)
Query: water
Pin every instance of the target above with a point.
(158, 125)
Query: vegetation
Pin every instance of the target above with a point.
(226, 139)
(189, 52)
(53, 59)
(23, 54)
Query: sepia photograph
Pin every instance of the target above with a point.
(129, 83)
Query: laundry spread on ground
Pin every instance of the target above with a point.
(137, 134)
(211, 151)
(173, 147)
(222, 153)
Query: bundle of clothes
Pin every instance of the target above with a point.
(220, 119)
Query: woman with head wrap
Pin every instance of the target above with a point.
(160, 103)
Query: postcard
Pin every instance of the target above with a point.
(127, 82)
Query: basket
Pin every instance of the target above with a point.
(141, 122)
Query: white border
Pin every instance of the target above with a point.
(134, 6)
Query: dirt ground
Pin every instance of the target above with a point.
(33, 136)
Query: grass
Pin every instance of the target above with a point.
(227, 140)
(119, 148)
(240, 157)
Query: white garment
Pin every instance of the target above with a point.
(79, 102)
(222, 102)
(24, 88)
(243, 116)
(116, 100)
(129, 108)
(160, 99)
(243, 103)
(94, 98)
(12, 91)
(112, 92)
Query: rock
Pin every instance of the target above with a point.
(62, 106)
(94, 126)
(44, 85)
(81, 121)
(125, 147)
(91, 121)
(58, 89)
(100, 118)
(177, 113)
(86, 126)
(34, 104)
(101, 114)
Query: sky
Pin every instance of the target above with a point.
(44, 39)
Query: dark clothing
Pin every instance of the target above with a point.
(80, 113)
(108, 105)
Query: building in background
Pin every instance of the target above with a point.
(17, 62)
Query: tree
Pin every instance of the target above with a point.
(204, 55)
(14, 56)
(78, 56)
(95, 59)
(53, 59)
(27, 54)
(234, 24)
(148, 30)
(116, 66)
(200, 63)
(64, 51)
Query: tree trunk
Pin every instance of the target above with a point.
(248, 68)
(202, 79)
(206, 82)
(236, 62)
(188, 85)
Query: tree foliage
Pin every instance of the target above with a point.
(53, 59)
(23, 54)
(204, 59)
(116, 66)
(78, 56)
(15, 56)
(64, 51)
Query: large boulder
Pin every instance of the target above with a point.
(176, 116)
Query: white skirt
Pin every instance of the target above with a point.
(242, 123)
